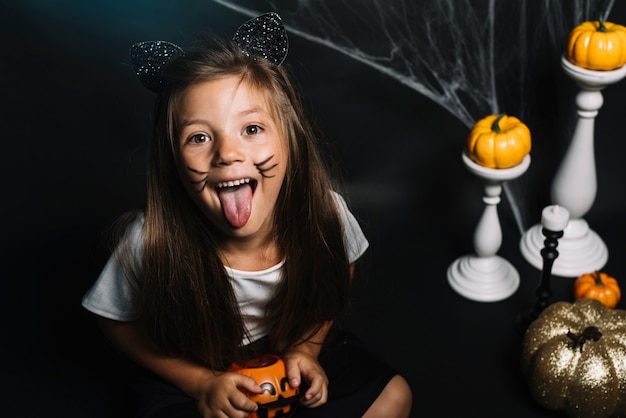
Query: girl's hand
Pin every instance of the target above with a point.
(222, 396)
(303, 366)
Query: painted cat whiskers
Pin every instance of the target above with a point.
(202, 181)
(263, 169)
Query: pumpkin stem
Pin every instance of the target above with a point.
(598, 278)
(601, 28)
(589, 333)
(496, 123)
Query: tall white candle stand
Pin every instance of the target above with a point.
(485, 276)
(574, 186)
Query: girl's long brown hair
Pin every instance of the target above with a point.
(189, 307)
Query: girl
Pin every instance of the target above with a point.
(243, 249)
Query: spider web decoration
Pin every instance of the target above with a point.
(454, 52)
(471, 57)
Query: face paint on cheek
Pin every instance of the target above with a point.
(266, 166)
(202, 182)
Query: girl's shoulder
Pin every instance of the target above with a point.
(129, 237)
(340, 201)
(354, 239)
(342, 206)
(134, 229)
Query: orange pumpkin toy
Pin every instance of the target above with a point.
(277, 398)
(598, 286)
(499, 141)
(597, 45)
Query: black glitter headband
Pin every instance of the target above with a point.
(264, 36)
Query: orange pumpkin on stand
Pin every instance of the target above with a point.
(278, 398)
(499, 141)
(597, 45)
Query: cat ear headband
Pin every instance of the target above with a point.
(264, 36)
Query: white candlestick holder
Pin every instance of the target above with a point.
(574, 187)
(485, 276)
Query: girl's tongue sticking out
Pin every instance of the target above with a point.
(236, 203)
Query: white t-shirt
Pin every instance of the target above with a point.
(113, 296)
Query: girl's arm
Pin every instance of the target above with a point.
(216, 393)
(301, 363)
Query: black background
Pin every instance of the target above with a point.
(74, 124)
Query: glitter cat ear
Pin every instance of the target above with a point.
(264, 36)
(148, 59)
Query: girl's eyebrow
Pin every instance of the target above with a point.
(199, 121)
(188, 122)
(254, 110)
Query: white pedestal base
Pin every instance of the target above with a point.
(581, 250)
(483, 279)
(574, 186)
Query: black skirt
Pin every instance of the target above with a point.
(356, 378)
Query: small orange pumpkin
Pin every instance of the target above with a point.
(597, 45)
(499, 141)
(599, 286)
(278, 397)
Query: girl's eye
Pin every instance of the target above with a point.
(252, 130)
(199, 139)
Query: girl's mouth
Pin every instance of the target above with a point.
(232, 183)
(236, 199)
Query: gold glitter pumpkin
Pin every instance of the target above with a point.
(574, 357)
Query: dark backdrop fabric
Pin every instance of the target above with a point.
(74, 128)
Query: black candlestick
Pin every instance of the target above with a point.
(554, 217)
(548, 254)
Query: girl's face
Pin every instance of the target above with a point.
(233, 157)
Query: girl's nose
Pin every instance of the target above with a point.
(228, 150)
